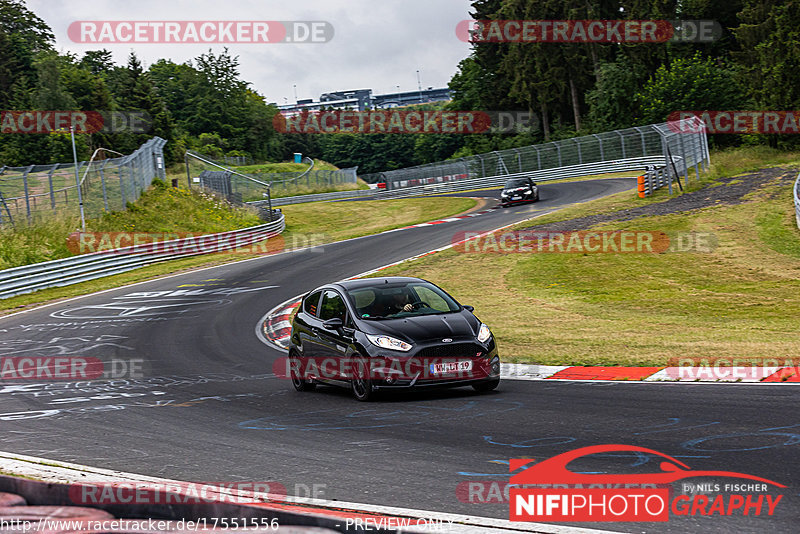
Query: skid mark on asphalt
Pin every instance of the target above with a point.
(706, 446)
(60, 346)
(410, 415)
(89, 410)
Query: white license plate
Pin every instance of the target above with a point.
(516, 197)
(450, 367)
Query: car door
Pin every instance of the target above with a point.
(333, 343)
(306, 326)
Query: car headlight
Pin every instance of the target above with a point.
(503, 194)
(484, 333)
(386, 342)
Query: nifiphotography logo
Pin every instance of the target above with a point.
(549, 492)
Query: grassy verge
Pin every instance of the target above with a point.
(741, 300)
(312, 223)
(343, 220)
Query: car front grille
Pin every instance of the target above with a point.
(451, 350)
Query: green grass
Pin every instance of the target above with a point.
(343, 220)
(312, 223)
(279, 191)
(264, 168)
(159, 209)
(166, 209)
(741, 300)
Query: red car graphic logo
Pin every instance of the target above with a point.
(554, 470)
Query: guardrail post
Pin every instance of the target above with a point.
(103, 183)
(25, 187)
(50, 183)
(697, 158)
(600, 142)
(580, 156)
(538, 157)
(121, 183)
(644, 145)
(519, 159)
(667, 162)
(685, 161)
(558, 148)
(621, 143)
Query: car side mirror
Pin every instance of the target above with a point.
(333, 324)
(469, 308)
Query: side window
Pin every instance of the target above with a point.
(311, 302)
(432, 299)
(332, 306)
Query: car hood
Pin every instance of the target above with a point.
(426, 327)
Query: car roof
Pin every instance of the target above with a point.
(370, 282)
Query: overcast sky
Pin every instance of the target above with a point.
(378, 44)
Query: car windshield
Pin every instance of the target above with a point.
(391, 301)
(519, 182)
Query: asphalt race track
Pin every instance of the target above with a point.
(208, 407)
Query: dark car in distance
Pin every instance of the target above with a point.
(518, 190)
(389, 333)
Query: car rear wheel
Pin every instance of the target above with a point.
(299, 383)
(489, 385)
(362, 383)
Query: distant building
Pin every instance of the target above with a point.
(362, 99)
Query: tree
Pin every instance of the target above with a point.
(770, 55)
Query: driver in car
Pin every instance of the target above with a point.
(400, 302)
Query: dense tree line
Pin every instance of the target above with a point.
(201, 104)
(571, 88)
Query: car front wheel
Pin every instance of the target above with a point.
(362, 383)
(299, 383)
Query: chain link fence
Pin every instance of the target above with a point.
(39, 191)
(683, 145)
(202, 171)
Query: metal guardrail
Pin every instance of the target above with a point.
(797, 200)
(76, 269)
(685, 139)
(435, 188)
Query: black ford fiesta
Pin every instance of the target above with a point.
(389, 333)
